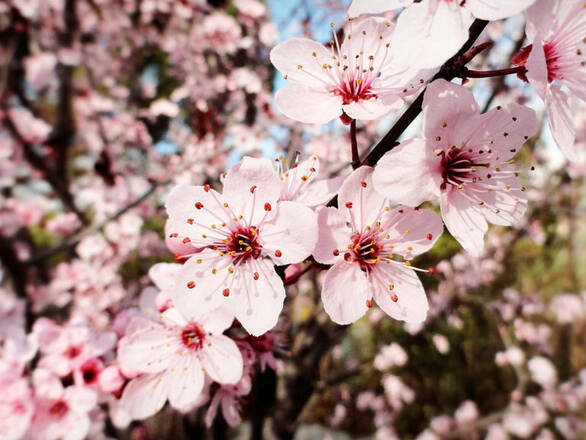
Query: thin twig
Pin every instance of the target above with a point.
(76, 238)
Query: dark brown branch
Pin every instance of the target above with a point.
(492, 73)
(354, 142)
(448, 71)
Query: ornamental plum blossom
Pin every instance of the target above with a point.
(557, 58)
(66, 348)
(243, 233)
(465, 162)
(173, 358)
(431, 31)
(362, 239)
(60, 413)
(357, 79)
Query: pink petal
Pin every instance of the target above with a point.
(320, 192)
(344, 293)
(198, 289)
(222, 359)
(185, 383)
(445, 105)
(242, 197)
(537, 68)
(145, 396)
(80, 398)
(333, 236)
(218, 320)
(561, 122)
(147, 350)
(181, 207)
(412, 231)
(411, 303)
(47, 385)
(430, 32)
(497, 9)
(371, 109)
(409, 174)
(291, 234)
(308, 104)
(289, 55)
(503, 130)
(257, 303)
(163, 274)
(464, 221)
(365, 36)
(359, 7)
(505, 207)
(358, 199)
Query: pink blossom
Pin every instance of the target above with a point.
(542, 371)
(60, 413)
(244, 232)
(556, 58)
(464, 162)
(172, 356)
(355, 80)
(66, 348)
(466, 413)
(397, 392)
(16, 406)
(431, 31)
(441, 342)
(390, 356)
(361, 239)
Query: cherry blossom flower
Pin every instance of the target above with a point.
(172, 356)
(60, 413)
(16, 405)
(244, 232)
(357, 79)
(557, 58)
(66, 348)
(361, 239)
(431, 31)
(465, 162)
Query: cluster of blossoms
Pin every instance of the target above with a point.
(93, 347)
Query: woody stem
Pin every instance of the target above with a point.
(355, 156)
(492, 73)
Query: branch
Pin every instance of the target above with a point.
(354, 142)
(76, 238)
(448, 71)
(492, 73)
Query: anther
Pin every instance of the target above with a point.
(278, 253)
(226, 292)
(190, 285)
(267, 206)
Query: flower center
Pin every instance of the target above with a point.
(243, 244)
(364, 249)
(193, 336)
(72, 352)
(458, 168)
(59, 409)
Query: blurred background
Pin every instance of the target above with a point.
(105, 105)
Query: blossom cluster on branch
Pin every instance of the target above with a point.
(156, 266)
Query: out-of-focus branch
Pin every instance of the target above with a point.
(76, 238)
